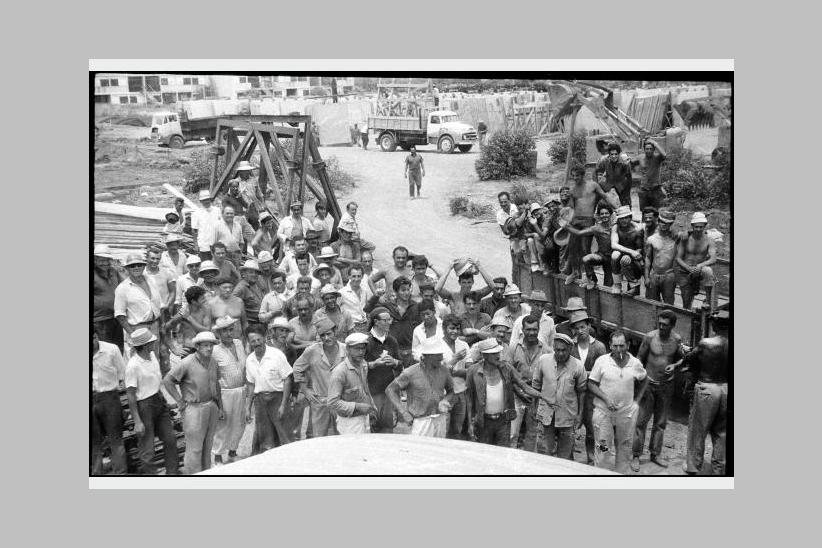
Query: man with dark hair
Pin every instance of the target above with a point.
(273, 303)
(430, 328)
(538, 302)
(453, 357)
(302, 291)
(382, 356)
(135, 304)
(404, 313)
(584, 198)
(474, 322)
(303, 262)
(601, 233)
(612, 382)
(493, 302)
(466, 281)
(225, 303)
(354, 297)
(323, 222)
(650, 192)
(106, 279)
(707, 370)
(428, 291)
(660, 259)
(331, 310)
(163, 282)
(514, 228)
(227, 268)
(617, 172)
(420, 266)
(293, 226)
(587, 350)
(193, 318)
(650, 220)
(626, 252)
(414, 171)
(661, 352)
(524, 355)
(303, 331)
(249, 291)
(229, 232)
(391, 273)
(300, 248)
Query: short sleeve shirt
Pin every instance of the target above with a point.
(269, 373)
(414, 163)
(616, 382)
(144, 375)
(108, 368)
(560, 385)
(198, 381)
(424, 388)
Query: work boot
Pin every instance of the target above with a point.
(657, 461)
(635, 464)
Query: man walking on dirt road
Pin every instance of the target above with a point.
(416, 168)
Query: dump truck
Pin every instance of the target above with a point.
(196, 120)
(406, 114)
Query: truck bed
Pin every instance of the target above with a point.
(410, 123)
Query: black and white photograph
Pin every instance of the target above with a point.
(406, 274)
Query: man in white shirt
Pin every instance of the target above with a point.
(107, 375)
(323, 222)
(229, 232)
(172, 258)
(430, 328)
(134, 303)
(202, 225)
(302, 271)
(537, 301)
(353, 298)
(268, 387)
(190, 279)
(611, 381)
(289, 262)
(294, 225)
(163, 282)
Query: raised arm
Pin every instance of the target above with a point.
(443, 278)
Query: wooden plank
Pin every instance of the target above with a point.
(308, 137)
(330, 198)
(569, 156)
(229, 167)
(265, 159)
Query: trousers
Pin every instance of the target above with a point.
(199, 427)
(652, 197)
(386, 418)
(657, 402)
(588, 423)
(689, 284)
(157, 421)
(709, 412)
(495, 432)
(525, 419)
(414, 180)
(632, 272)
(322, 421)
(230, 431)
(433, 426)
(107, 424)
(270, 430)
(456, 419)
(353, 425)
(591, 260)
(560, 438)
(615, 427)
(578, 245)
(662, 285)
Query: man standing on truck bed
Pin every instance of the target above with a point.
(414, 166)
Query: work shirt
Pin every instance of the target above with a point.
(547, 331)
(203, 221)
(324, 226)
(505, 314)
(289, 228)
(342, 319)
(107, 368)
(159, 284)
(230, 365)
(185, 282)
(649, 169)
(143, 375)
(381, 376)
(269, 373)
(303, 332)
(231, 236)
(414, 163)
(490, 305)
(425, 387)
(198, 381)
(252, 297)
(418, 336)
(560, 385)
(314, 369)
(132, 301)
(617, 174)
(523, 359)
(105, 284)
(483, 320)
(616, 382)
(353, 304)
(447, 355)
(179, 268)
(272, 304)
(347, 386)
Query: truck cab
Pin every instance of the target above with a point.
(445, 130)
(166, 128)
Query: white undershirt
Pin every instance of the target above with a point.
(494, 401)
(583, 352)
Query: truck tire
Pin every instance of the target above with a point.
(176, 142)
(445, 145)
(465, 148)
(388, 143)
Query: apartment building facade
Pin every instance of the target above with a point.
(141, 89)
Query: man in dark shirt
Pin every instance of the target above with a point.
(404, 313)
(106, 280)
(627, 246)
(650, 189)
(707, 367)
(493, 302)
(617, 174)
(414, 171)
(382, 356)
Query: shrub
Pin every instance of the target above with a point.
(558, 151)
(504, 155)
(198, 171)
(692, 186)
(530, 194)
(461, 205)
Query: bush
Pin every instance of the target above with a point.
(530, 194)
(460, 205)
(558, 151)
(198, 171)
(504, 155)
(691, 186)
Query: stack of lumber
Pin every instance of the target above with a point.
(128, 229)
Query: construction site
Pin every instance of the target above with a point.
(311, 149)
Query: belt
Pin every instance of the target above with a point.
(651, 381)
(148, 323)
(200, 402)
(97, 395)
(493, 417)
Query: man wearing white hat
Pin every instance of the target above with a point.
(294, 225)
(695, 256)
(514, 307)
(537, 301)
(312, 371)
(328, 256)
(149, 409)
(587, 350)
(660, 260)
(172, 258)
(209, 274)
(265, 260)
(331, 310)
(249, 291)
(627, 246)
(199, 400)
(250, 190)
(429, 390)
(135, 304)
(348, 395)
(202, 224)
(106, 280)
(230, 357)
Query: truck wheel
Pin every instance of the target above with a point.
(465, 148)
(446, 145)
(388, 143)
(176, 142)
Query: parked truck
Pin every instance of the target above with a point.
(196, 120)
(407, 114)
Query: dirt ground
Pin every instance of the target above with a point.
(135, 168)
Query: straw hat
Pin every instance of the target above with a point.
(204, 195)
(208, 265)
(224, 322)
(489, 346)
(324, 325)
(102, 250)
(578, 316)
(432, 347)
(280, 322)
(537, 295)
(499, 320)
(511, 289)
(666, 216)
(250, 264)
(321, 266)
(134, 258)
(699, 217)
(192, 260)
(142, 336)
(355, 339)
(623, 211)
(564, 338)
(561, 235)
(244, 166)
(173, 237)
(172, 213)
(329, 289)
(327, 252)
(204, 337)
(575, 304)
(264, 257)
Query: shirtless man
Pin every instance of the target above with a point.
(626, 254)
(391, 273)
(660, 257)
(696, 254)
(584, 198)
(227, 304)
(192, 319)
(601, 233)
(661, 352)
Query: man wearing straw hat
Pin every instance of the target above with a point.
(331, 310)
(149, 409)
(538, 302)
(695, 256)
(249, 189)
(202, 225)
(199, 400)
(312, 371)
(250, 292)
(660, 260)
(174, 224)
(135, 305)
(106, 280)
(230, 357)
(574, 304)
(626, 255)
(514, 307)
(429, 389)
(172, 258)
(348, 394)
(587, 350)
